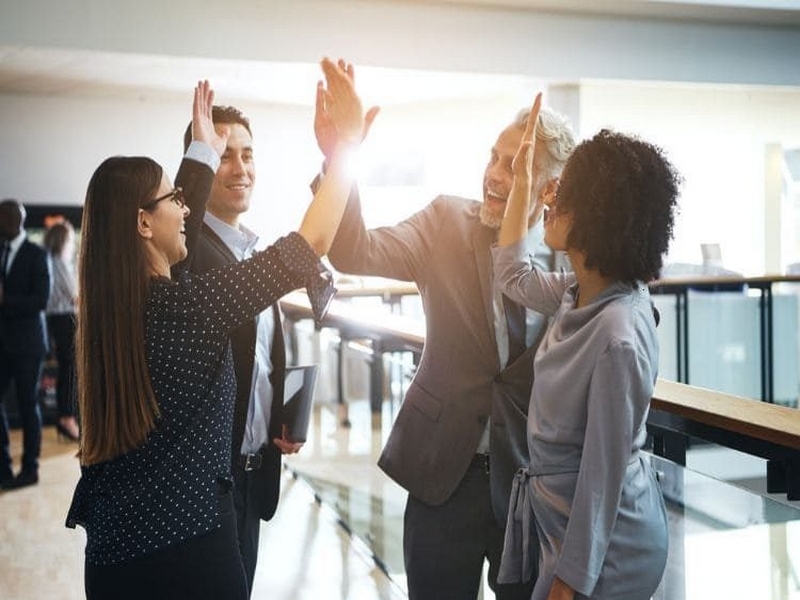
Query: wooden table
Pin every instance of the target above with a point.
(678, 411)
(386, 333)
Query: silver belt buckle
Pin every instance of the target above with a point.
(252, 462)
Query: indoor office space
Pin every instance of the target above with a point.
(715, 83)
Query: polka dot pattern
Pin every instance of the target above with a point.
(165, 492)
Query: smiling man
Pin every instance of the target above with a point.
(460, 434)
(259, 354)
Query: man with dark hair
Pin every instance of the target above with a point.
(259, 354)
(24, 291)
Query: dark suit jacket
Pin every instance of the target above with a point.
(25, 292)
(211, 253)
(459, 384)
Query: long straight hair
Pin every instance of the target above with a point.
(118, 408)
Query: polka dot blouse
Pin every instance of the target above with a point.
(165, 492)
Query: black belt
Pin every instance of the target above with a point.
(250, 462)
(481, 461)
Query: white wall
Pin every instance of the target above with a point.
(50, 148)
(717, 137)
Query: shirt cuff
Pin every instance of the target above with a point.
(203, 153)
(298, 256)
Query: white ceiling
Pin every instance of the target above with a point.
(46, 71)
(39, 69)
(766, 12)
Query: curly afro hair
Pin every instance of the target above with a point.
(622, 195)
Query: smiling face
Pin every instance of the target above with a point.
(498, 177)
(163, 227)
(233, 183)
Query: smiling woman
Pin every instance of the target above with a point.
(155, 372)
(161, 226)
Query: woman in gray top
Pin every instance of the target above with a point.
(597, 509)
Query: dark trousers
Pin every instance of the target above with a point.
(248, 520)
(207, 567)
(24, 370)
(444, 546)
(62, 330)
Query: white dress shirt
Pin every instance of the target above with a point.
(242, 243)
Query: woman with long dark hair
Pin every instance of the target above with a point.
(155, 375)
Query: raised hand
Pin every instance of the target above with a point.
(522, 167)
(324, 128)
(202, 123)
(518, 214)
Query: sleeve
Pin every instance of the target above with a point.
(398, 252)
(33, 300)
(527, 284)
(616, 387)
(236, 293)
(63, 286)
(195, 176)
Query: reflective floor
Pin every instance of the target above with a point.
(337, 532)
(726, 541)
(305, 552)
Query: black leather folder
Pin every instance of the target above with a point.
(298, 398)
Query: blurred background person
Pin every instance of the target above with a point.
(24, 290)
(59, 241)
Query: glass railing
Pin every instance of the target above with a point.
(725, 541)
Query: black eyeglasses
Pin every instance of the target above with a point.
(175, 196)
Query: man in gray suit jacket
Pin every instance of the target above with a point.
(460, 434)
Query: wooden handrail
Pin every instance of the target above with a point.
(759, 420)
(677, 411)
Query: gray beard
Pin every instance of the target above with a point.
(494, 222)
(489, 219)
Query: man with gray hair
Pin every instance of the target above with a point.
(460, 434)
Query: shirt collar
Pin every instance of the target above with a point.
(534, 236)
(241, 241)
(14, 244)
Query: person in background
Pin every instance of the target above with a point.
(155, 371)
(24, 290)
(598, 510)
(459, 435)
(59, 241)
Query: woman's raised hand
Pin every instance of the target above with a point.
(518, 214)
(324, 129)
(341, 103)
(202, 123)
(522, 167)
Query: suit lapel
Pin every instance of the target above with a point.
(218, 245)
